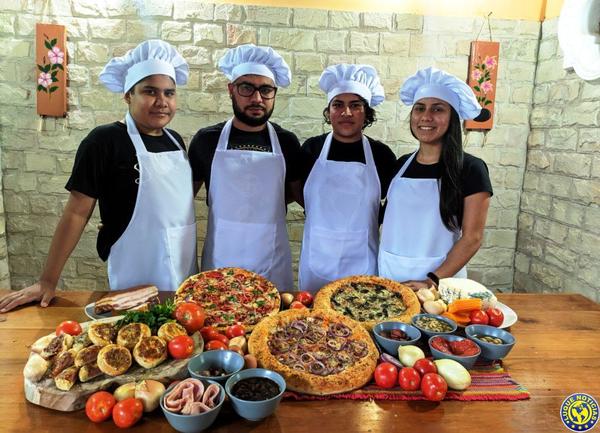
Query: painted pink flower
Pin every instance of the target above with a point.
(476, 74)
(487, 86)
(45, 79)
(490, 62)
(55, 55)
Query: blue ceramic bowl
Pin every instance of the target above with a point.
(430, 333)
(231, 362)
(465, 361)
(491, 350)
(390, 345)
(255, 410)
(193, 423)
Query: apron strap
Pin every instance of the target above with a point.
(406, 164)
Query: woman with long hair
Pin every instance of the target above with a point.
(438, 201)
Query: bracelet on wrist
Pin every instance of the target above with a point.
(434, 278)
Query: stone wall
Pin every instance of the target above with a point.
(38, 154)
(559, 223)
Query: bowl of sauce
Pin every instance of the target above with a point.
(255, 393)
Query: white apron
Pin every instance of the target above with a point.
(341, 230)
(159, 245)
(414, 240)
(246, 218)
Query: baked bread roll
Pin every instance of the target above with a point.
(41, 343)
(114, 360)
(66, 379)
(89, 355)
(170, 330)
(63, 361)
(131, 334)
(81, 341)
(102, 333)
(150, 351)
(35, 368)
(60, 343)
(89, 371)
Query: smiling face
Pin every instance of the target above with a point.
(346, 112)
(429, 120)
(253, 110)
(152, 103)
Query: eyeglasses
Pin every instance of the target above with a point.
(247, 90)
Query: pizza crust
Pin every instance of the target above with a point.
(411, 302)
(354, 376)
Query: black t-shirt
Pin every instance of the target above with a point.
(384, 158)
(105, 169)
(475, 175)
(204, 144)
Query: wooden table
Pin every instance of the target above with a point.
(557, 354)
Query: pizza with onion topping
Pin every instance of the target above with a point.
(230, 296)
(368, 300)
(316, 352)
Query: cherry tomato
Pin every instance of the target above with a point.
(70, 327)
(434, 387)
(99, 406)
(220, 337)
(127, 412)
(496, 316)
(305, 298)
(215, 345)
(424, 366)
(181, 347)
(235, 331)
(409, 379)
(208, 333)
(191, 316)
(297, 304)
(386, 375)
(479, 317)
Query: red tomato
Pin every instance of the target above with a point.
(386, 375)
(434, 387)
(215, 345)
(190, 315)
(99, 406)
(208, 333)
(235, 331)
(479, 317)
(496, 316)
(305, 298)
(181, 347)
(220, 337)
(424, 366)
(70, 327)
(297, 304)
(127, 412)
(409, 379)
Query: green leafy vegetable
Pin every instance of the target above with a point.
(158, 315)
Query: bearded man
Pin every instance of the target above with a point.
(251, 170)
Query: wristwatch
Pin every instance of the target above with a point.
(434, 278)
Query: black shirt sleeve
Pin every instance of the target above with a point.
(475, 176)
(290, 148)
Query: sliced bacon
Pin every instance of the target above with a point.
(126, 299)
(189, 397)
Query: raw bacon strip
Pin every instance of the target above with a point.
(126, 299)
(189, 397)
(210, 395)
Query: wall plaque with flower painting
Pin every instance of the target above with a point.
(51, 69)
(483, 71)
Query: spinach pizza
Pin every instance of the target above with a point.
(317, 352)
(368, 300)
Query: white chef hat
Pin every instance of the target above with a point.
(435, 83)
(250, 59)
(151, 57)
(359, 79)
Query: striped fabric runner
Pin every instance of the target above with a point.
(489, 382)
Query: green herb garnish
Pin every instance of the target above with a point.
(158, 315)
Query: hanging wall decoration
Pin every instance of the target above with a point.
(483, 71)
(51, 69)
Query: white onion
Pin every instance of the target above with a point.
(149, 391)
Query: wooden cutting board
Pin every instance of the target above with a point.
(45, 393)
